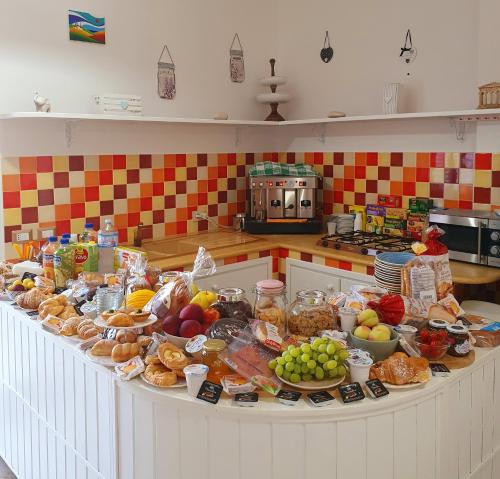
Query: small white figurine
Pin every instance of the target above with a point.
(41, 103)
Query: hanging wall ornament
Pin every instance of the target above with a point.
(326, 53)
(166, 76)
(236, 63)
(408, 52)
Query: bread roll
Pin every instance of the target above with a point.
(124, 352)
(126, 336)
(120, 319)
(104, 347)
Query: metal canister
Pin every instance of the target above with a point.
(239, 222)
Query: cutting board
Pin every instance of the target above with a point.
(458, 363)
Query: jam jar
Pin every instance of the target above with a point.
(270, 303)
(438, 325)
(232, 303)
(458, 336)
(310, 313)
(165, 278)
(217, 368)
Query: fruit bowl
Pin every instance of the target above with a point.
(379, 349)
(432, 352)
(178, 341)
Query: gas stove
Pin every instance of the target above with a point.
(366, 243)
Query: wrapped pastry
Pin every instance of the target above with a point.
(130, 369)
(31, 299)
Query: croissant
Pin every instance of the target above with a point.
(120, 319)
(159, 375)
(70, 326)
(126, 336)
(68, 312)
(31, 299)
(171, 356)
(401, 369)
(50, 309)
(152, 359)
(124, 352)
(104, 347)
(87, 329)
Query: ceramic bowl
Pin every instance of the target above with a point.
(380, 350)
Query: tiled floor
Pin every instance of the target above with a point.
(5, 472)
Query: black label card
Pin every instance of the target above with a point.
(28, 275)
(210, 392)
(439, 369)
(286, 396)
(351, 392)
(77, 307)
(376, 389)
(320, 398)
(246, 399)
(13, 304)
(59, 290)
(32, 313)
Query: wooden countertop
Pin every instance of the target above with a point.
(166, 254)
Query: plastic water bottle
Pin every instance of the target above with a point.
(107, 241)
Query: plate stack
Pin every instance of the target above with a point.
(344, 223)
(388, 270)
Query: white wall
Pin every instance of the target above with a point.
(36, 54)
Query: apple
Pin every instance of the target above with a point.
(380, 333)
(190, 328)
(362, 332)
(193, 312)
(368, 317)
(171, 325)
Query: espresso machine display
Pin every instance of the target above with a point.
(283, 205)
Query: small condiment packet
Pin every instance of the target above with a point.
(246, 399)
(376, 389)
(320, 398)
(210, 392)
(351, 392)
(288, 398)
(88, 343)
(439, 369)
(130, 369)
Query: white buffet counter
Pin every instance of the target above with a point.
(61, 416)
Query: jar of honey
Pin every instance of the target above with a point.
(217, 368)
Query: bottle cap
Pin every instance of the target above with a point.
(89, 225)
(66, 235)
(53, 239)
(64, 241)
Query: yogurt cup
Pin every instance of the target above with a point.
(195, 345)
(359, 368)
(407, 331)
(195, 375)
(347, 318)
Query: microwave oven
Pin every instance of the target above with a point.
(472, 236)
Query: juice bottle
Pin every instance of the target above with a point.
(88, 234)
(63, 263)
(48, 251)
(107, 241)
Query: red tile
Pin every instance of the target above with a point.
(338, 197)
(396, 159)
(29, 215)
(147, 232)
(62, 226)
(158, 189)
(213, 210)
(202, 199)
(146, 204)
(76, 163)
(7, 231)
(132, 176)
(95, 220)
(408, 188)
(122, 235)
(145, 161)
(348, 184)
(28, 181)
(158, 216)
(318, 158)
(92, 193)
(12, 199)
(437, 160)
(372, 159)
(467, 160)
(202, 225)
(384, 173)
(180, 160)
(231, 158)
(222, 171)
(328, 171)
(423, 174)
(436, 190)
(169, 202)
(78, 210)
(181, 227)
(282, 277)
(212, 185)
(180, 187)
(241, 171)
(192, 173)
(45, 197)
(249, 159)
(231, 184)
(495, 179)
(371, 186)
(451, 175)
(360, 199)
(345, 265)
(482, 195)
(283, 253)
(134, 219)
(44, 164)
(107, 208)
(106, 177)
(119, 162)
(360, 172)
(169, 174)
(465, 205)
(338, 158)
(222, 197)
(290, 158)
(370, 270)
(264, 253)
(119, 192)
(306, 257)
(202, 159)
(483, 161)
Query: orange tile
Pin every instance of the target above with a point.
(121, 221)
(309, 158)
(360, 159)
(146, 190)
(397, 188)
(349, 172)
(222, 159)
(451, 203)
(241, 195)
(409, 174)
(465, 192)
(202, 186)
(192, 199)
(11, 183)
(27, 164)
(213, 172)
(91, 178)
(47, 224)
(334, 263)
(423, 160)
(181, 214)
(105, 162)
(230, 260)
(77, 195)
(232, 209)
(63, 212)
(134, 205)
(338, 184)
(169, 161)
(158, 175)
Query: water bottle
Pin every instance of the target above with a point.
(107, 241)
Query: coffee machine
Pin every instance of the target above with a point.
(283, 204)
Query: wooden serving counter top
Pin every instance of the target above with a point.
(180, 251)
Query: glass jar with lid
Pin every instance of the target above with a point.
(217, 368)
(166, 277)
(310, 313)
(232, 303)
(270, 303)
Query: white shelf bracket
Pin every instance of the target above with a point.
(69, 129)
(320, 131)
(237, 136)
(459, 126)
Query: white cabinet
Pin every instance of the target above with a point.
(242, 275)
(305, 275)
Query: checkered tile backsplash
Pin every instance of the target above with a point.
(162, 191)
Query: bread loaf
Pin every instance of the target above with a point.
(124, 352)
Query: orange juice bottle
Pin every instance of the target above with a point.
(48, 252)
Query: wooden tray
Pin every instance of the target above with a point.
(457, 363)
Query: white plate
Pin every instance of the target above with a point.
(408, 386)
(315, 385)
(181, 383)
(102, 360)
(103, 324)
